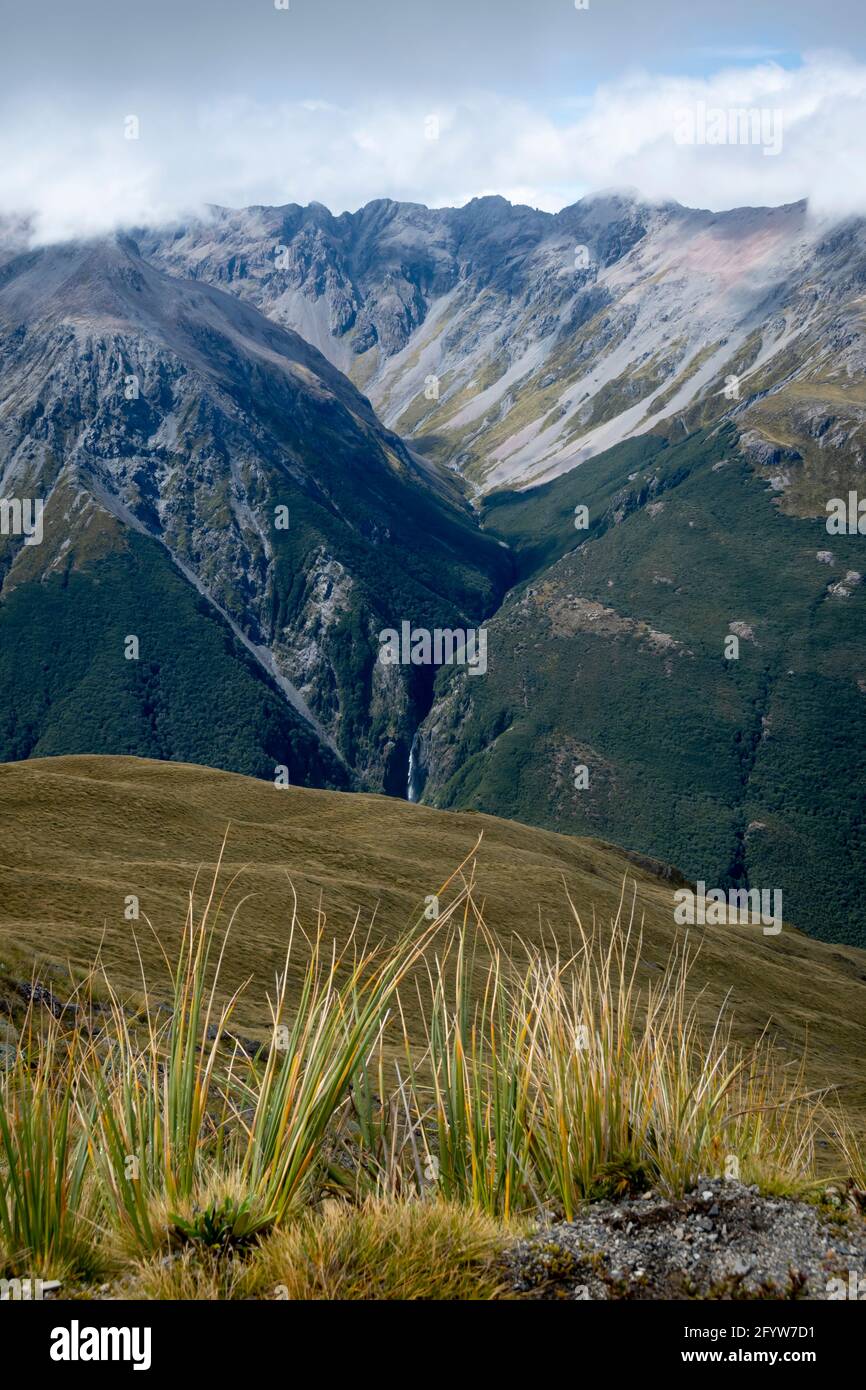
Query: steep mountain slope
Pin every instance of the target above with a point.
(146, 409)
(744, 766)
(170, 423)
(513, 344)
(123, 826)
(519, 347)
(195, 690)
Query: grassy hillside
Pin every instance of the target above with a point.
(611, 654)
(538, 525)
(81, 834)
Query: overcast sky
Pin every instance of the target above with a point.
(436, 101)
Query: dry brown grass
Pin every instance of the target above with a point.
(81, 834)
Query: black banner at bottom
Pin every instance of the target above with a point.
(76, 1339)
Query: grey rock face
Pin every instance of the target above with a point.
(514, 343)
(137, 400)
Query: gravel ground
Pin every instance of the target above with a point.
(721, 1241)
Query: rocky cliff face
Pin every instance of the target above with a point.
(513, 344)
(175, 412)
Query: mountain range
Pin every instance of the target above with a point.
(267, 435)
(553, 337)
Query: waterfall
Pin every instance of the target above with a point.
(415, 778)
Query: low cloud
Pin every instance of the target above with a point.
(78, 174)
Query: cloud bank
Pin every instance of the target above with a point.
(77, 173)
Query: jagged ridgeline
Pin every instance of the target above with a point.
(513, 343)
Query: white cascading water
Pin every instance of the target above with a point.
(412, 789)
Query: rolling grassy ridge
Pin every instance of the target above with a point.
(429, 1076)
(80, 834)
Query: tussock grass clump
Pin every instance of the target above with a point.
(194, 1274)
(178, 1105)
(47, 1197)
(562, 1081)
(384, 1250)
(379, 1250)
(541, 1081)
